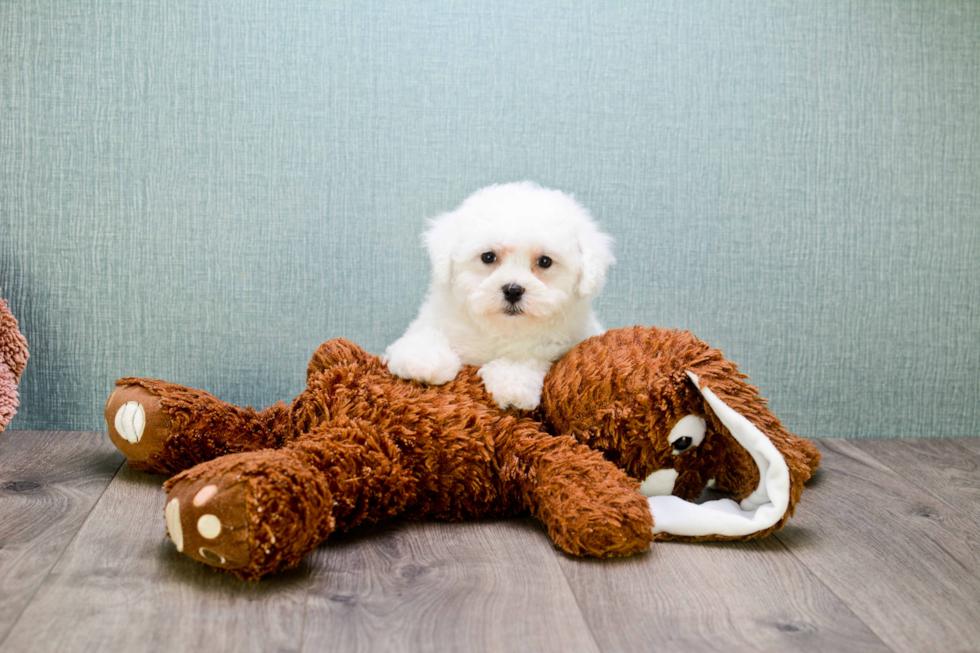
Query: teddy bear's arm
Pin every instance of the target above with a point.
(589, 506)
(165, 428)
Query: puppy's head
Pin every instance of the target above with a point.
(518, 252)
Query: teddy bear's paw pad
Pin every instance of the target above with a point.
(207, 521)
(130, 420)
(137, 425)
(174, 529)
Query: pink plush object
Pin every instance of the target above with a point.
(13, 359)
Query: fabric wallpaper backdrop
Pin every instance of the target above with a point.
(205, 191)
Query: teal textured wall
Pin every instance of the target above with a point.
(203, 192)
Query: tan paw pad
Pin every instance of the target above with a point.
(213, 557)
(172, 515)
(130, 421)
(209, 527)
(137, 425)
(205, 494)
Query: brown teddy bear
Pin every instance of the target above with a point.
(633, 425)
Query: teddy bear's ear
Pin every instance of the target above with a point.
(783, 461)
(439, 241)
(595, 248)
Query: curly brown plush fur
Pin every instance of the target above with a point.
(13, 360)
(256, 491)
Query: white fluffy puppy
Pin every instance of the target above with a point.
(514, 272)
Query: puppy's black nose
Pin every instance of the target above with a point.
(513, 292)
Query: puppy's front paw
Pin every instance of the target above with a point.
(423, 359)
(515, 384)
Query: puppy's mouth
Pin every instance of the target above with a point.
(513, 310)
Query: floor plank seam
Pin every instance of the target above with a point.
(306, 607)
(914, 483)
(578, 605)
(817, 577)
(853, 452)
(844, 603)
(30, 600)
(964, 447)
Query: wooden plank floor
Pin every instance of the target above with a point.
(883, 554)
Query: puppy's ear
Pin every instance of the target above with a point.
(439, 241)
(595, 248)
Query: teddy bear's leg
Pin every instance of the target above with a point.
(589, 506)
(261, 512)
(165, 428)
(250, 513)
(363, 468)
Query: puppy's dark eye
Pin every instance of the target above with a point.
(544, 262)
(488, 257)
(683, 444)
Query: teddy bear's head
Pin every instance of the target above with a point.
(679, 418)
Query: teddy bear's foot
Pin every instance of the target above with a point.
(138, 426)
(250, 513)
(207, 520)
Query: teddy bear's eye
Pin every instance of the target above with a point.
(488, 257)
(544, 262)
(683, 444)
(687, 434)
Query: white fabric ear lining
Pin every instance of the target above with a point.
(760, 510)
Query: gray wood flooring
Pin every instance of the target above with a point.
(884, 554)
